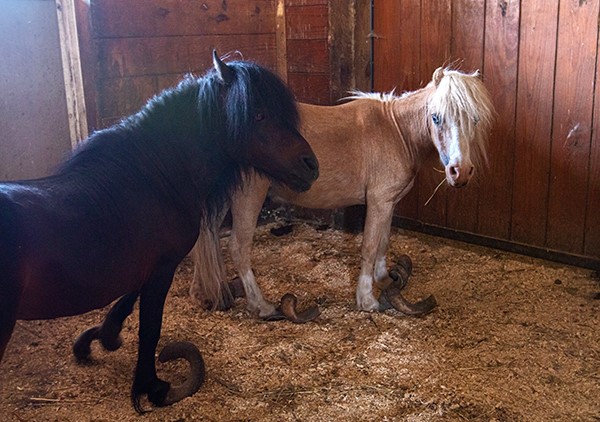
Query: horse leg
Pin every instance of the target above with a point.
(376, 231)
(8, 318)
(152, 300)
(245, 208)
(208, 286)
(109, 331)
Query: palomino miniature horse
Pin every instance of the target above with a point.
(369, 152)
(126, 208)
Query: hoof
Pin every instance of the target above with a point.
(401, 272)
(161, 393)
(288, 310)
(189, 352)
(394, 297)
(82, 347)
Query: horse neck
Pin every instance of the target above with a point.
(409, 116)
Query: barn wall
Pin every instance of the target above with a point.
(142, 46)
(34, 128)
(539, 60)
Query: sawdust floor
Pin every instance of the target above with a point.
(513, 338)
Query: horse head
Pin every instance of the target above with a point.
(459, 118)
(262, 116)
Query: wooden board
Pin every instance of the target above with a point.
(435, 52)
(533, 121)
(155, 18)
(126, 57)
(468, 17)
(500, 65)
(571, 129)
(397, 61)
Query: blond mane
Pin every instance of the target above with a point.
(464, 99)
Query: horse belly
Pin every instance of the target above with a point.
(49, 291)
(322, 195)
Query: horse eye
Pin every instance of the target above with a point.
(435, 118)
(259, 117)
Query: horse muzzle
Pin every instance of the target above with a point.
(307, 172)
(459, 175)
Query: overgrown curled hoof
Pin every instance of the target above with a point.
(189, 352)
(392, 296)
(420, 308)
(82, 347)
(288, 310)
(401, 272)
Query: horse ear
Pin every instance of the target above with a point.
(225, 73)
(438, 75)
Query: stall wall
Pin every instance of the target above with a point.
(34, 130)
(539, 59)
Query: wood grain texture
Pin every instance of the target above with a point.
(500, 64)
(310, 88)
(144, 18)
(397, 58)
(571, 129)
(126, 57)
(533, 121)
(308, 56)
(307, 22)
(591, 246)
(435, 52)
(468, 20)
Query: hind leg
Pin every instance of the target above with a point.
(109, 331)
(209, 288)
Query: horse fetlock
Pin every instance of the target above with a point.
(367, 303)
(265, 309)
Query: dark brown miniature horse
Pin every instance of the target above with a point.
(125, 209)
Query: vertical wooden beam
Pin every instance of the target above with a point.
(436, 16)
(397, 58)
(468, 24)
(281, 41)
(500, 58)
(363, 45)
(571, 128)
(67, 27)
(592, 221)
(533, 120)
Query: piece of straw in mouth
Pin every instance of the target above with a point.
(434, 191)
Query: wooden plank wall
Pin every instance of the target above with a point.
(540, 61)
(144, 46)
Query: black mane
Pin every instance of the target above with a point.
(200, 117)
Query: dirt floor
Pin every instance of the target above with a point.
(513, 339)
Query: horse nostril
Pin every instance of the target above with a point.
(454, 172)
(311, 163)
(471, 170)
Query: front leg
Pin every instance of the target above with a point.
(376, 232)
(245, 209)
(152, 300)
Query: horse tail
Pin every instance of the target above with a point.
(208, 286)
